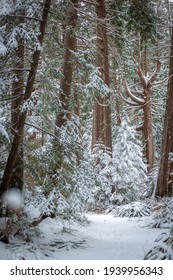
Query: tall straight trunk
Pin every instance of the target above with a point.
(165, 176)
(102, 128)
(148, 131)
(147, 125)
(18, 133)
(17, 97)
(77, 104)
(67, 76)
(117, 110)
(67, 69)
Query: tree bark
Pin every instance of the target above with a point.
(69, 41)
(117, 110)
(102, 128)
(67, 69)
(148, 131)
(17, 98)
(6, 179)
(165, 176)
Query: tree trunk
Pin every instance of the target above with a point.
(17, 97)
(117, 110)
(69, 41)
(148, 131)
(102, 128)
(67, 69)
(142, 99)
(77, 103)
(6, 179)
(165, 176)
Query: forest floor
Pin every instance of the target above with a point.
(103, 238)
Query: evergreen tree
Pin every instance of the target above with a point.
(130, 176)
(6, 179)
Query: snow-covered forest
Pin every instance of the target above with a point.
(86, 129)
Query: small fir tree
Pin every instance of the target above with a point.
(130, 176)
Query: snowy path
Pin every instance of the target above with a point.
(106, 237)
(114, 239)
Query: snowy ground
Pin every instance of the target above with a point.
(104, 238)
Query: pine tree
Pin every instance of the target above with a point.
(130, 176)
(6, 179)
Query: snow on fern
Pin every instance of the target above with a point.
(160, 252)
(164, 249)
(134, 209)
(163, 219)
(163, 215)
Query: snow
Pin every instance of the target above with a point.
(12, 199)
(5, 7)
(3, 49)
(3, 132)
(104, 238)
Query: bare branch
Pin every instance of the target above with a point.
(25, 17)
(141, 76)
(136, 91)
(158, 66)
(160, 82)
(139, 127)
(130, 102)
(133, 97)
(156, 72)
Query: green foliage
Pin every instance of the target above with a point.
(142, 18)
(118, 10)
(133, 16)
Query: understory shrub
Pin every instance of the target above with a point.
(164, 249)
(134, 209)
(162, 218)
